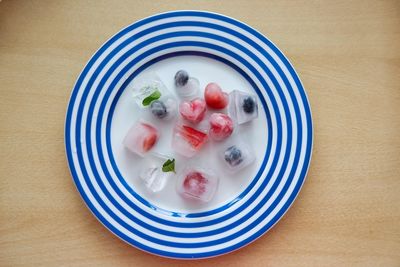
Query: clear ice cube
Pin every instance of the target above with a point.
(197, 183)
(237, 156)
(154, 178)
(194, 110)
(141, 137)
(146, 85)
(242, 106)
(187, 140)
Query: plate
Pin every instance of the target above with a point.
(212, 47)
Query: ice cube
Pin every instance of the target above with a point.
(221, 126)
(242, 107)
(187, 140)
(148, 87)
(197, 183)
(154, 178)
(165, 108)
(186, 86)
(194, 110)
(237, 156)
(141, 137)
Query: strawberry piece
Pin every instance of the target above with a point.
(215, 97)
(194, 137)
(151, 137)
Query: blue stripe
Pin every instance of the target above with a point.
(303, 97)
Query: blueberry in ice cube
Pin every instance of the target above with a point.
(249, 105)
(233, 156)
(158, 109)
(181, 78)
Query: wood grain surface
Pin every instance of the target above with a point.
(347, 54)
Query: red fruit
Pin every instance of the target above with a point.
(214, 96)
(193, 136)
(194, 110)
(151, 137)
(221, 126)
(195, 184)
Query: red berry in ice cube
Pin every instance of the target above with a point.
(195, 184)
(221, 126)
(194, 110)
(150, 138)
(214, 96)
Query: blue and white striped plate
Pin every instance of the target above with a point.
(286, 149)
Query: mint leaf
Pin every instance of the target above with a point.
(154, 96)
(169, 166)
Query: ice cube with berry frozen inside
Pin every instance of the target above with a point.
(187, 140)
(243, 107)
(197, 183)
(221, 126)
(194, 110)
(186, 87)
(237, 156)
(164, 108)
(141, 137)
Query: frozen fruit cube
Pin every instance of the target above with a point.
(215, 97)
(164, 108)
(154, 178)
(243, 107)
(193, 111)
(221, 126)
(196, 183)
(185, 85)
(158, 109)
(187, 141)
(141, 137)
(147, 88)
(237, 156)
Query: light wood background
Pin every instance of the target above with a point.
(347, 54)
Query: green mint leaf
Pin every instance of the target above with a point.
(169, 166)
(154, 96)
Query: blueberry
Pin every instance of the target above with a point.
(158, 109)
(181, 78)
(233, 156)
(249, 105)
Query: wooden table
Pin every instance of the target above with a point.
(347, 54)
